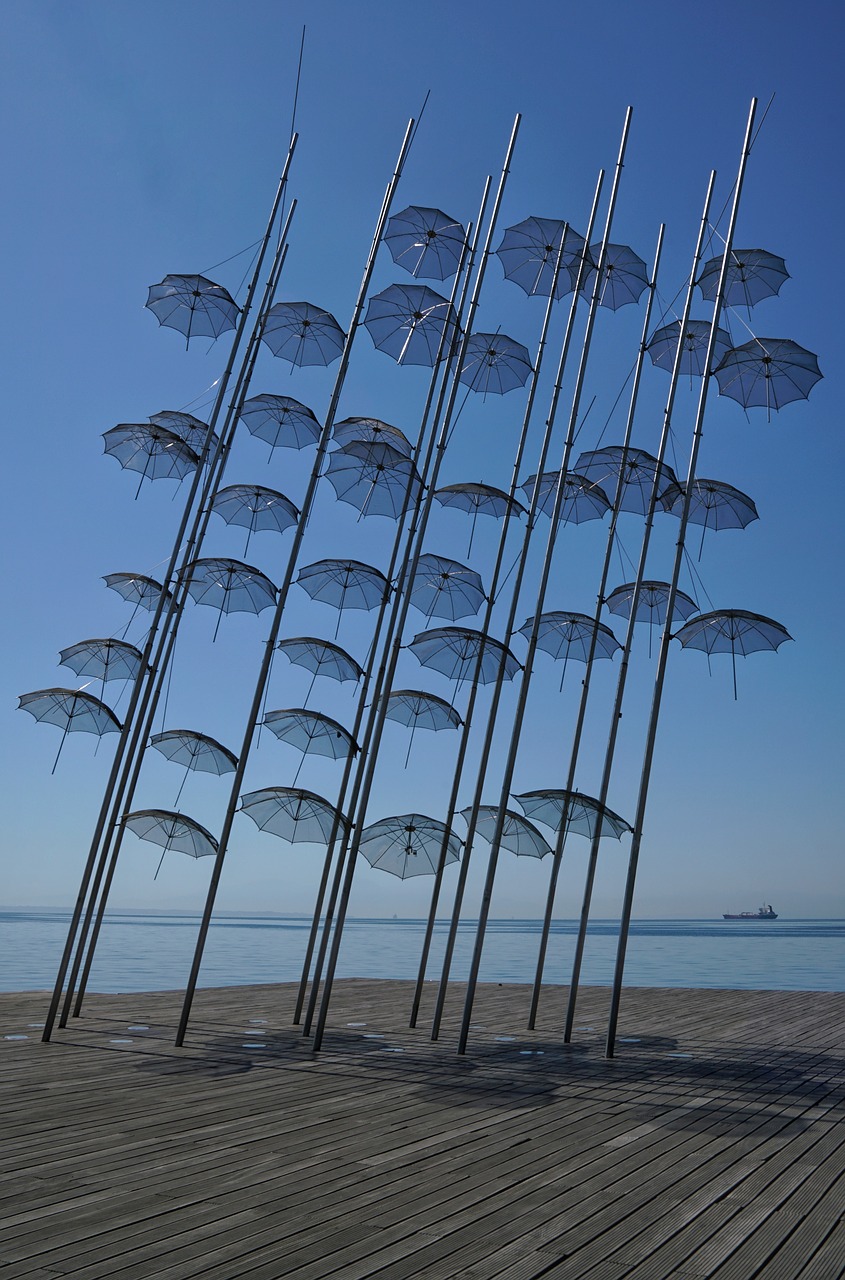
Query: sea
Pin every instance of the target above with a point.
(146, 951)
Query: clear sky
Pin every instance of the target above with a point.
(146, 139)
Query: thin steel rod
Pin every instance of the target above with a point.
(666, 637)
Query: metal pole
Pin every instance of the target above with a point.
(666, 637)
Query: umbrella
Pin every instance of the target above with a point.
(411, 323)
(714, 505)
(293, 814)
(419, 710)
(102, 659)
(322, 658)
(230, 586)
(303, 334)
(194, 305)
(495, 363)
(569, 635)
(624, 277)
(768, 372)
(444, 588)
(454, 651)
(136, 588)
(409, 845)
(344, 584)
(518, 835)
(651, 606)
(478, 499)
(733, 631)
(752, 275)
(283, 422)
(371, 429)
(374, 477)
(172, 831)
(638, 468)
(154, 451)
(584, 815)
(311, 732)
(582, 499)
(663, 345)
(255, 507)
(71, 710)
(529, 251)
(426, 242)
(195, 751)
(187, 427)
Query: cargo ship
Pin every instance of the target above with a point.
(762, 913)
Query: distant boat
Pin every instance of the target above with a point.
(762, 913)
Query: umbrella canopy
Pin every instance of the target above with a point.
(72, 710)
(311, 732)
(767, 373)
(419, 710)
(569, 635)
(477, 499)
(664, 343)
(255, 508)
(638, 468)
(411, 323)
(190, 429)
(753, 274)
(303, 334)
(321, 657)
(714, 505)
(371, 430)
(157, 453)
(582, 498)
(293, 814)
(495, 363)
(426, 242)
(105, 659)
(374, 477)
(445, 588)
(518, 836)
(195, 751)
(624, 277)
(454, 652)
(194, 305)
(529, 251)
(651, 606)
(409, 845)
(137, 589)
(230, 586)
(283, 422)
(584, 815)
(344, 584)
(733, 631)
(171, 831)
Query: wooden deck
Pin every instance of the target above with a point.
(711, 1146)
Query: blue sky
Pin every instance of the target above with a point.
(142, 140)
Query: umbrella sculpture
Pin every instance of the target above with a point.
(767, 373)
(374, 477)
(582, 498)
(584, 815)
(420, 710)
(663, 345)
(311, 732)
(454, 651)
(753, 274)
(624, 277)
(105, 659)
(193, 305)
(409, 845)
(138, 590)
(255, 508)
(477, 499)
(714, 505)
(426, 242)
(733, 631)
(283, 422)
(303, 334)
(157, 453)
(195, 751)
(602, 467)
(651, 605)
(172, 831)
(371, 430)
(495, 364)
(190, 429)
(529, 251)
(229, 586)
(293, 814)
(344, 584)
(72, 710)
(519, 836)
(569, 635)
(322, 658)
(445, 588)
(411, 323)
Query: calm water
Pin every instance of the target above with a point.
(148, 952)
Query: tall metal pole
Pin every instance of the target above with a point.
(670, 604)
(299, 533)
